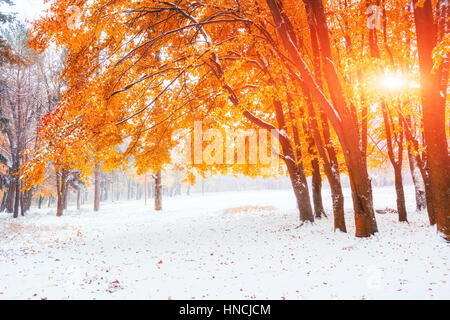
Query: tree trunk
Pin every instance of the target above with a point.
(65, 198)
(331, 168)
(337, 198)
(296, 170)
(150, 190)
(340, 115)
(158, 191)
(138, 191)
(17, 198)
(30, 194)
(112, 189)
(61, 187)
(419, 186)
(97, 192)
(3, 206)
(316, 177)
(22, 204)
(300, 186)
(396, 164)
(79, 199)
(60, 206)
(433, 110)
(129, 189)
(330, 162)
(9, 205)
(26, 198)
(40, 202)
(317, 189)
(401, 207)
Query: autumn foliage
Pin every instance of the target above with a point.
(344, 95)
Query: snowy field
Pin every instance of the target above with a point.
(236, 245)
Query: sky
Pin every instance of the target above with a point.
(26, 9)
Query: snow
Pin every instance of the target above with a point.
(234, 245)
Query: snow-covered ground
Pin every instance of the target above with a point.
(235, 245)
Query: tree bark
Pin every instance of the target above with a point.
(26, 198)
(60, 206)
(79, 199)
(22, 204)
(66, 195)
(419, 186)
(9, 205)
(138, 191)
(401, 207)
(158, 191)
(61, 187)
(2, 208)
(97, 192)
(129, 188)
(17, 197)
(317, 189)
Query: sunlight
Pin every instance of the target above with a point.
(198, 150)
(392, 81)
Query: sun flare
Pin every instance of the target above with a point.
(392, 81)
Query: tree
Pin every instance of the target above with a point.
(158, 191)
(21, 111)
(160, 66)
(7, 54)
(434, 101)
(392, 136)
